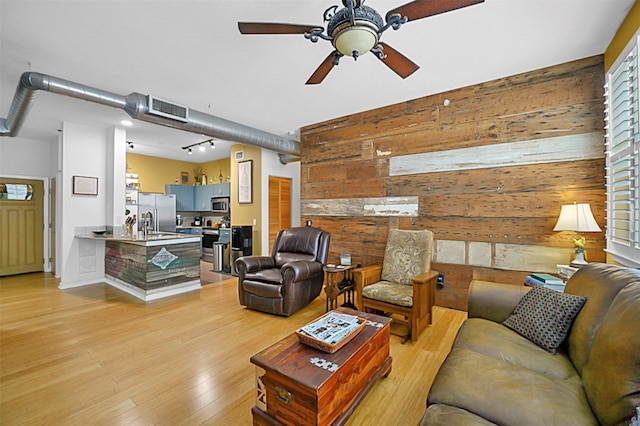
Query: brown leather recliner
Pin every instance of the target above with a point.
(290, 278)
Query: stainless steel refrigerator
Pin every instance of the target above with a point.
(162, 208)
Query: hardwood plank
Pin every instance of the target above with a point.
(100, 356)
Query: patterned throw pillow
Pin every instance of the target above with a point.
(544, 316)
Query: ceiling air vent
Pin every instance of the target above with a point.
(168, 109)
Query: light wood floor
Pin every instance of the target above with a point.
(98, 356)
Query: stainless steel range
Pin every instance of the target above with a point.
(209, 236)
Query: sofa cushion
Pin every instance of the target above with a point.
(446, 415)
(272, 275)
(499, 342)
(407, 255)
(385, 291)
(261, 289)
(544, 316)
(612, 374)
(508, 394)
(300, 243)
(599, 283)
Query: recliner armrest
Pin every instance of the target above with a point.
(301, 270)
(493, 301)
(256, 263)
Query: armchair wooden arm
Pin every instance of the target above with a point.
(363, 277)
(424, 296)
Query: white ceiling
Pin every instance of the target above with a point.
(191, 53)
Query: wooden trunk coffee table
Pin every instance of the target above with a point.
(299, 385)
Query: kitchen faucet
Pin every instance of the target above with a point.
(148, 217)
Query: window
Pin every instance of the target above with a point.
(623, 158)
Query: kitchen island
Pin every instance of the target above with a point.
(152, 267)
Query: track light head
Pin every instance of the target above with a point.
(202, 146)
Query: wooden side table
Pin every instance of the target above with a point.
(334, 288)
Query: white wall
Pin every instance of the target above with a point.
(31, 159)
(26, 157)
(271, 166)
(92, 152)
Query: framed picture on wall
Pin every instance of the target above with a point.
(84, 185)
(185, 178)
(245, 182)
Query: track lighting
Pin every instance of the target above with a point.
(130, 145)
(201, 146)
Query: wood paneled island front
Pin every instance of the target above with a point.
(158, 266)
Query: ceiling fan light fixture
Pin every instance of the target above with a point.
(355, 40)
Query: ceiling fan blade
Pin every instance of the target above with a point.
(274, 28)
(399, 63)
(321, 72)
(419, 9)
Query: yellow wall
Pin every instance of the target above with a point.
(155, 172)
(245, 214)
(628, 28)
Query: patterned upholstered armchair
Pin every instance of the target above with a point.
(404, 286)
(290, 278)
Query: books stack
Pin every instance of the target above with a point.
(545, 280)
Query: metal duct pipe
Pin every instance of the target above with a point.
(135, 104)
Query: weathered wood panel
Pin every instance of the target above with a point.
(380, 206)
(152, 267)
(574, 175)
(585, 146)
(538, 137)
(348, 188)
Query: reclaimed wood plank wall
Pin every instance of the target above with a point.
(487, 174)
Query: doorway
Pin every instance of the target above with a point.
(21, 226)
(279, 206)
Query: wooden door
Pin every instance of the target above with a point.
(279, 206)
(21, 228)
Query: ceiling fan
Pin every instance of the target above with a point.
(356, 29)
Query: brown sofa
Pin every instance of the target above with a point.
(494, 375)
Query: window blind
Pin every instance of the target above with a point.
(623, 159)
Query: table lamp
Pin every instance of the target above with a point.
(577, 217)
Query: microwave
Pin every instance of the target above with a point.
(220, 205)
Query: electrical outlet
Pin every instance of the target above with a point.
(440, 282)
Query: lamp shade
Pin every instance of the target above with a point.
(356, 40)
(577, 217)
